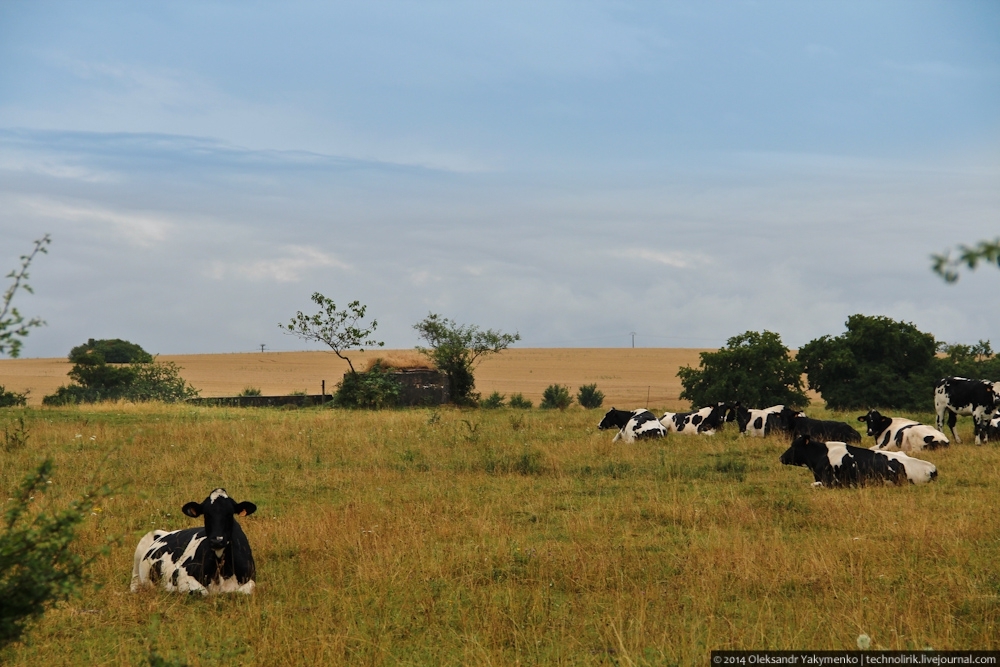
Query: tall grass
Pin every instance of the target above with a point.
(503, 537)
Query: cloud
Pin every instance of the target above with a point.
(140, 229)
(677, 259)
(289, 268)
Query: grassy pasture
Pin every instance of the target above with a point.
(505, 537)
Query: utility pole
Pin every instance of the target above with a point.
(262, 348)
(633, 339)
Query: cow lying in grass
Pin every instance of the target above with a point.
(840, 464)
(213, 559)
(633, 425)
(820, 429)
(761, 423)
(903, 435)
(705, 421)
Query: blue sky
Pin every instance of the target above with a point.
(572, 171)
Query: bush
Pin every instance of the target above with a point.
(374, 389)
(38, 567)
(11, 399)
(590, 397)
(137, 382)
(493, 401)
(877, 362)
(556, 396)
(754, 368)
(520, 402)
(250, 391)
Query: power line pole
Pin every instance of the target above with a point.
(633, 339)
(262, 348)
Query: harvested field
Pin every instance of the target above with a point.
(627, 376)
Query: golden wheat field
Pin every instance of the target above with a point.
(626, 376)
(502, 537)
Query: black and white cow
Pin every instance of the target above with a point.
(760, 423)
(824, 429)
(993, 429)
(839, 464)
(705, 421)
(899, 434)
(633, 425)
(213, 559)
(956, 396)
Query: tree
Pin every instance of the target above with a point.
(877, 362)
(985, 251)
(13, 326)
(590, 396)
(455, 348)
(337, 329)
(138, 378)
(556, 396)
(754, 368)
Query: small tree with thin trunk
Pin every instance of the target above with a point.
(340, 330)
(455, 348)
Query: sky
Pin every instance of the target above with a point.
(582, 173)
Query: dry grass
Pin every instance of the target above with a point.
(399, 359)
(507, 537)
(628, 377)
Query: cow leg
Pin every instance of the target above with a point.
(952, 418)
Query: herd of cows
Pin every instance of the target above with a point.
(216, 558)
(824, 446)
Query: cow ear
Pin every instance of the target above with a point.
(245, 508)
(193, 510)
(863, 418)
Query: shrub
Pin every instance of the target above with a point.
(250, 391)
(556, 396)
(753, 368)
(10, 399)
(590, 397)
(877, 362)
(520, 402)
(374, 389)
(493, 401)
(38, 567)
(137, 382)
(110, 351)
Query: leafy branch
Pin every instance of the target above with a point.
(13, 326)
(947, 266)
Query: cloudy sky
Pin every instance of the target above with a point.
(573, 171)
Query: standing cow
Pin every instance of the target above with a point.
(213, 559)
(898, 434)
(633, 425)
(956, 396)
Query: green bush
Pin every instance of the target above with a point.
(38, 567)
(556, 396)
(137, 382)
(374, 389)
(110, 351)
(877, 362)
(11, 399)
(493, 401)
(590, 397)
(520, 402)
(754, 368)
(250, 391)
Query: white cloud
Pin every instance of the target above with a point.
(140, 229)
(677, 259)
(288, 268)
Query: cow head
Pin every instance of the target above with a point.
(615, 419)
(742, 417)
(802, 451)
(218, 510)
(876, 422)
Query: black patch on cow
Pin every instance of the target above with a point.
(156, 572)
